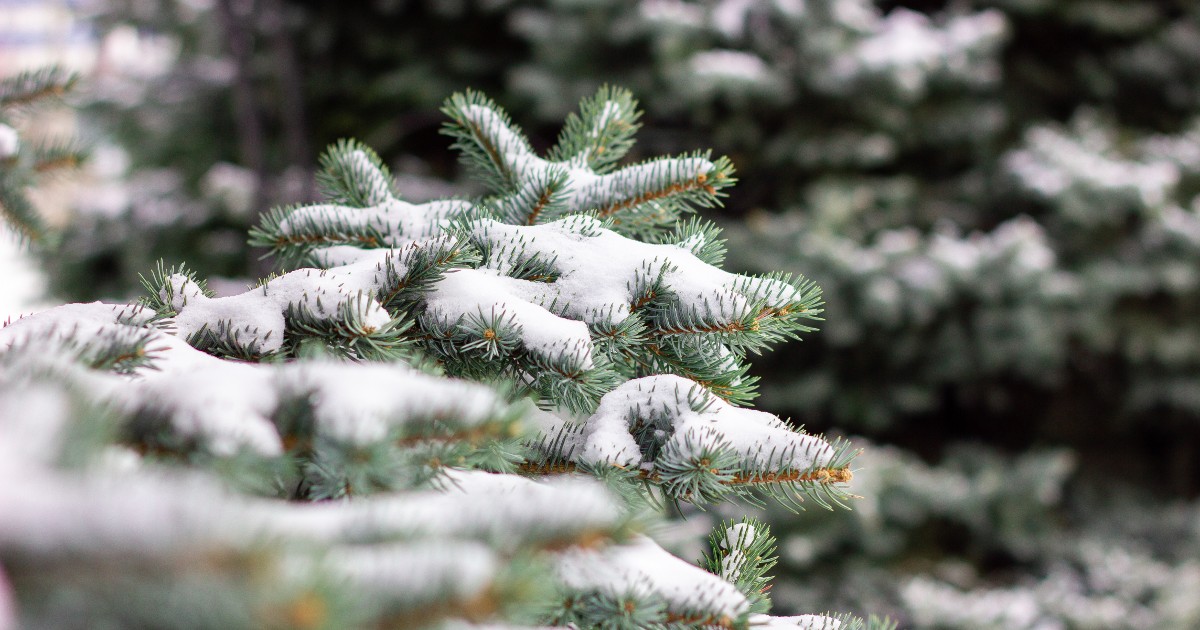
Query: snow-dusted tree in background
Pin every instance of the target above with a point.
(353, 443)
(999, 199)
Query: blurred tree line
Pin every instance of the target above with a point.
(1000, 198)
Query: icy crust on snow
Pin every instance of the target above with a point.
(687, 418)
(598, 272)
(586, 190)
(642, 568)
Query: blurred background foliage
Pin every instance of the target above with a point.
(1000, 198)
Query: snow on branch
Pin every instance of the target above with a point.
(554, 299)
(641, 199)
(643, 577)
(694, 445)
(907, 52)
(295, 452)
(355, 416)
(152, 527)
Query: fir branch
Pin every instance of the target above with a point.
(712, 465)
(703, 359)
(542, 196)
(602, 133)
(660, 180)
(352, 174)
(742, 553)
(54, 156)
(161, 290)
(224, 339)
(410, 272)
(701, 238)
(348, 334)
(293, 240)
(488, 139)
(17, 211)
(34, 86)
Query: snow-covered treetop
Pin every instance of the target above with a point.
(570, 297)
(559, 303)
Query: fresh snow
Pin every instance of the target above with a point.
(692, 418)
(905, 49)
(227, 406)
(419, 573)
(643, 568)
(399, 222)
(484, 292)
(1085, 163)
(611, 110)
(258, 315)
(598, 271)
(378, 188)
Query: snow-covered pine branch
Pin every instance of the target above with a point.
(694, 445)
(313, 452)
(570, 297)
(641, 200)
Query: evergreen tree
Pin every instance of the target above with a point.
(997, 196)
(445, 413)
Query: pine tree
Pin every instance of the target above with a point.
(997, 196)
(460, 411)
